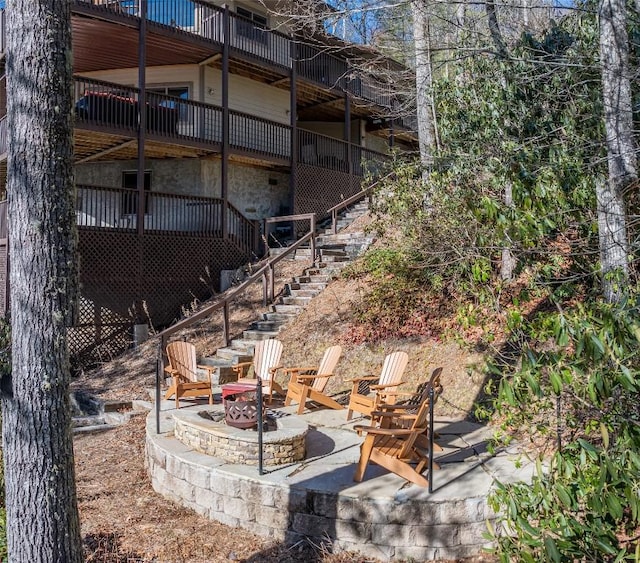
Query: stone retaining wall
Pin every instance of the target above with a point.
(282, 446)
(397, 528)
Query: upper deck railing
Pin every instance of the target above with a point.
(196, 17)
(114, 106)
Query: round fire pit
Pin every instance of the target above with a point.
(212, 436)
(241, 413)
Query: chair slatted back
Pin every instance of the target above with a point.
(266, 355)
(326, 368)
(419, 426)
(393, 368)
(422, 391)
(182, 358)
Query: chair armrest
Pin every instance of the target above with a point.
(170, 370)
(384, 431)
(309, 377)
(378, 387)
(274, 369)
(239, 368)
(299, 369)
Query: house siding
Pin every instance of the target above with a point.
(248, 96)
(161, 76)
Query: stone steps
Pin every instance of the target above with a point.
(335, 252)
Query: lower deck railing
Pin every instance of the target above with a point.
(117, 209)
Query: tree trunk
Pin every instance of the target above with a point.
(508, 263)
(494, 29)
(621, 159)
(42, 515)
(424, 104)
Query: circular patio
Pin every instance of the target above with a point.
(383, 516)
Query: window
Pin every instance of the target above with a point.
(251, 25)
(130, 199)
(181, 92)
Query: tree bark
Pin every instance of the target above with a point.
(424, 104)
(621, 156)
(494, 29)
(42, 517)
(508, 262)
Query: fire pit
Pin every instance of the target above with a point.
(241, 413)
(240, 405)
(206, 431)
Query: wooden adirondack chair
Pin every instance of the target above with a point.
(183, 369)
(365, 400)
(308, 383)
(266, 362)
(393, 445)
(410, 405)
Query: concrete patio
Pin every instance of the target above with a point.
(384, 516)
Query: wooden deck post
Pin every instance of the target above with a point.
(142, 128)
(293, 119)
(224, 170)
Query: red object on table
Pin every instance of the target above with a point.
(236, 388)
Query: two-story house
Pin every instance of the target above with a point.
(194, 121)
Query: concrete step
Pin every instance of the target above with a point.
(267, 325)
(330, 238)
(286, 308)
(298, 301)
(215, 361)
(303, 292)
(236, 355)
(306, 285)
(313, 279)
(279, 317)
(324, 253)
(259, 334)
(332, 258)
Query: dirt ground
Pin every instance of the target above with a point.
(124, 520)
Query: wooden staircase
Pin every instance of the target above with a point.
(335, 252)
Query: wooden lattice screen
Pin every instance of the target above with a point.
(320, 189)
(166, 271)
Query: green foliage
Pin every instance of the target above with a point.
(530, 128)
(521, 149)
(587, 499)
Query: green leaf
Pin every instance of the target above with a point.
(614, 506)
(556, 382)
(563, 495)
(606, 547)
(551, 549)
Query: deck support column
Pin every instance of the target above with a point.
(293, 120)
(224, 168)
(142, 128)
(347, 134)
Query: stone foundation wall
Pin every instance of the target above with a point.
(277, 507)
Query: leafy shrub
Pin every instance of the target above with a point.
(580, 378)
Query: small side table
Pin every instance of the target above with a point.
(238, 388)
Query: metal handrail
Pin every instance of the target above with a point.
(266, 272)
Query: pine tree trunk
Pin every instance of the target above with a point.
(42, 516)
(621, 157)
